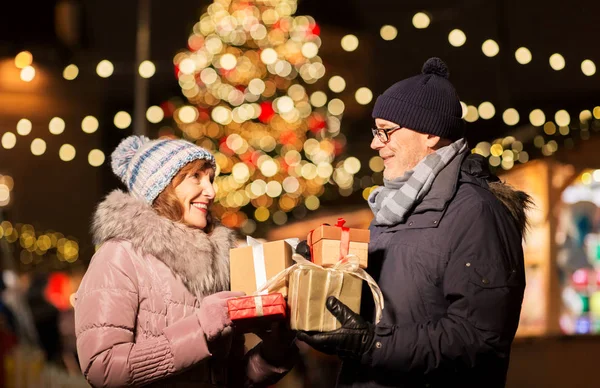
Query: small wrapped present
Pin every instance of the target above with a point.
(329, 244)
(252, 312)
(251, 266)
(311, 285)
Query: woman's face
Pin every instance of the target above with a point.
(196, 194)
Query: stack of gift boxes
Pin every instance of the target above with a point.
(282, 285)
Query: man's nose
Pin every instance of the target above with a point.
(376, 143)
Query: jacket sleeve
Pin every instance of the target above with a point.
(483, 285)
(105, 319)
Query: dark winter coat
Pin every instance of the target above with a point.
(453, 278)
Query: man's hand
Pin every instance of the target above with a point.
(352, 340)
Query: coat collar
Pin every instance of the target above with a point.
(200, 260)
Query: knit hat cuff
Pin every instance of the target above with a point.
(152, 192)
(418, 118)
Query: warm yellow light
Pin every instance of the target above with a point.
(421, 20)
(312, 202)
(56, 126)
(24, 127)
(465, 109)
(388, 32)
(274, 189)
(510, 116)
(9, 140)
(155, 114)
(363, 95)
(268, 168)
(337, 84)
(96, 158)
(537, 117)
(376, 164)
(23, 59)
(147, 69)
(585, 115)
(588, 67)
(28, 73)
(38, 147)
(66, 152)
(70, 72)
(352, 165)
(188, 114)
(523, 55)
(596, 112)
(122, 120)
(562, 118)
(472, 114)
(105, 68)
(490, 48)
(89, 124)
(318, 99)
(228, 61)
(261, 214)
(557, 62)
(336, 107)
(457, 38)
(187, 66)
(4, 197)
(310, 49)
(285, 104)
(550, 128)
(256, 86)
(350, 42)
(268, 56)
(496, 149)
(221, 115)
(486, 110)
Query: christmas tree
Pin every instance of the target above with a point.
(245, 74)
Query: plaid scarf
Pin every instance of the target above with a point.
(392, 202)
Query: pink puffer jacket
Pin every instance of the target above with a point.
(136, 309)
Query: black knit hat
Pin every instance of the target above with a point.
(427, 103)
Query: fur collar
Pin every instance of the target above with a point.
(200, 260)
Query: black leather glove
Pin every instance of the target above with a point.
(303, 249)
(352, 340)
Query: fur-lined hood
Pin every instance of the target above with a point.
(200, 260)
(517, 202)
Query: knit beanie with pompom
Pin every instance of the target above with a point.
(426, 103)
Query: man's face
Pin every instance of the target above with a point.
(403, 151)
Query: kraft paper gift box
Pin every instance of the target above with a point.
(251, 312)
(310, 288)
(331, 243)
(251, 266)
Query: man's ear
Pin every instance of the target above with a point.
(432, 141)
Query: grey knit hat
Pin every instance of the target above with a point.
(426, 103)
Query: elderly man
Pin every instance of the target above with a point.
(445, 250)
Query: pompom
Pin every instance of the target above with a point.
(436, 66)
(122, 155)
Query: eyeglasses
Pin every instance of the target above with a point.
(384, 133)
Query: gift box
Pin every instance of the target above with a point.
(251, 266)
(309, 289)
(329, 244)
(249, 313)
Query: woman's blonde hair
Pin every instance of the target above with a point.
(167, 204)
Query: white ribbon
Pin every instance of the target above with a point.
(349, 265)
(258, 256)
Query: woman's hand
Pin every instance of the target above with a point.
(214, 316)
